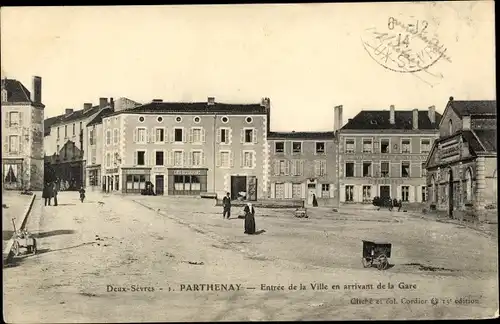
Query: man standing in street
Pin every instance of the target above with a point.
(226, 203)
(56, 190)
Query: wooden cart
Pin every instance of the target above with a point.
(376, 253)
(23, 239)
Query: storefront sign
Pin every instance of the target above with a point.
(187, 172)
(109, 171)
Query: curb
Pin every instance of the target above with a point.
(7, 253)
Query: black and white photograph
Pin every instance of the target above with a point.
(249, 162)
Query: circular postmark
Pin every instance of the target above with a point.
(404, 47)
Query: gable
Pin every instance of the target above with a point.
(449, 114)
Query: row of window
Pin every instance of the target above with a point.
(196, 119)
(65, 151)
(385, 170)
(297, 190)
(180, 158)
(73, 130)
(296, 168)
(384, 146)
(367, 193)
(279, 147)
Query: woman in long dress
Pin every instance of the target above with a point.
(249, 219)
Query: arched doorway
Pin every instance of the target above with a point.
(450, 193)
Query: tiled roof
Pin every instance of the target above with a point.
(488, 138)
(201, 108)
(16, 91)
(474, 144)
(74, 116)
(473, 107)
(379, 119)
(98, 118)
(301, 135)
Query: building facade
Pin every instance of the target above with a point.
(383, 153)
(187, 148)
(462, 167)
(302, 165)
(22, 135)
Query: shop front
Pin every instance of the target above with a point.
(187, 182)
(12, 174)
(111, 180)
(134, 179)
(94, 177)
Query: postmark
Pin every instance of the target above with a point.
(405, 47)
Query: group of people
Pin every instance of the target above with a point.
(249, 211)
(51, 189)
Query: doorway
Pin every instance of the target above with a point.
(450, 194)
(311, 190)
(159, 184)
(238, 184)
(385, 191)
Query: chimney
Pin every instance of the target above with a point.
(112, 102)
(432, 114)
(392, 118)
(211, 101)
(69, 111)
(337, 118)
(466, 123)
(87, 106)
(36, 91)
(415, 119)
(103, 102)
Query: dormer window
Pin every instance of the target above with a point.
(4, 95)
(450, 127)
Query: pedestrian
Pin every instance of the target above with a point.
(249, 219)
(226, 205)
(315, 201)
(56, 190)
(46, 193)
(400, 204)
(82, 194)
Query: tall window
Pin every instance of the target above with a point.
(424, 170)
(367, 193)
(349, 146)
(196, 135)
(297, 167)
(367, 169)
(320, 147)
(320, 168)
(58, 132)
(367, 146)
(141, 158)
(225, 159)
(425, 146)
(405, 193)
(325, 190)
(178, 136)
(349, 193)
(405, 169)
(178, 158)
(74, 129)
(424, 193)
(196, 158)
(248, 136)
(279, 147)
(91, 136)
(108, 137)
(468, 185)
(405, 146)
(384, 169)
(349, 169)
(65, 131)
(160, 135)
(13, 144)
(450, 127)
(159, 158)
(385, 146)
(223, 135)
(14, 119)
(296, 147)
(248, 159)
(141, 135)
(115, 136)
(296, 190)
(108, 160)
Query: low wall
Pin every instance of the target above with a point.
(268, 203)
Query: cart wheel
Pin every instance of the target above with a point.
(34, 247)
(367, 262)
(15, 248)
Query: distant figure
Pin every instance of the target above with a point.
(57, 187)
(249, 219)
(47, 193)
(226, 205)
(82, 194)
(400, 204)
(315, 201)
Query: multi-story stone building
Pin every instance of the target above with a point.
(94, 148)
(22, 135)
(462, 166)
(383, 153)
(188, 148)
(302, 164)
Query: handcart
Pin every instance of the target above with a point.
(23, 239)
(301, 213)
(376, 253)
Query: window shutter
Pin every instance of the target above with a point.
(190, 159)
(273, 190)
(242, 136)
(316, 168)
(20, 119)
(20, 139)
(135, 158)
(254, 159)
(153, 135)
(254, 135)
(172, 135)
(231, 159)
(165, 135)
(217, 159)
(276, 167)
(411, 194)
(169, 158)
(219, 135)
(323, 167)
(229, 137)
(184, 158)
(294, 167)
(301, 168)
(398, 193)
(190, 138)
(7, 120)
(146, 131)
(135, 135)
(203, 158)
(184, 135)
(241, 159)
(203, 135)
(287, 167)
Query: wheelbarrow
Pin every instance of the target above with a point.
(23, 239)
(301, 213)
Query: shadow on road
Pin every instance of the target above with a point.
(260, 232)
(53, 233)
(65, 205)
(7, 235)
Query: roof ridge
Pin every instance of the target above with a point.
(477, 138)
(20, 85)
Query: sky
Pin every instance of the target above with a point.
(307, 58)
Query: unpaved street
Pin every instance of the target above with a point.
(155, 251)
